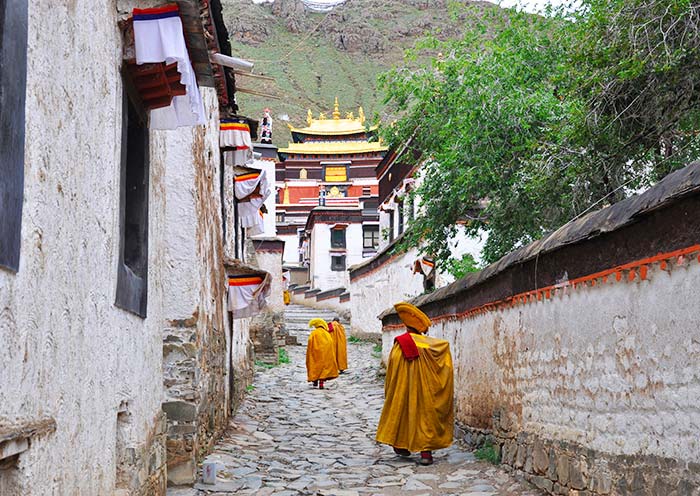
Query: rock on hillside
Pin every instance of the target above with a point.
(316, 56)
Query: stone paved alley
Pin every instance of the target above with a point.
(290, 439)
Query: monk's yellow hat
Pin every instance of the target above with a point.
(412, 316)
(318, 323)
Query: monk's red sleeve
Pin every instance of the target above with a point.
(408, 346)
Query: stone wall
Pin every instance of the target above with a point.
(577, 355)
(194, 340)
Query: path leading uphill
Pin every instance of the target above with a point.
(290, 439)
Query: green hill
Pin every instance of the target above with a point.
(315, 57)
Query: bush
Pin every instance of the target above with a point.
(489, 453)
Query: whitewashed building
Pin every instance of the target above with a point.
(117, 355)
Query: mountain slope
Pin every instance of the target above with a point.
(315, 57)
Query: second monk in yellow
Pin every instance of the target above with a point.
(418, 413)
(320, 354)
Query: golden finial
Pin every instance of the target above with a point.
(361, 114)
(349, 115)
(309, 117)
(322, 116)
(336, 110)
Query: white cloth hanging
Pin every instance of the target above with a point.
(247, 294)
(249, 214)
(159, 37)
(234, 133)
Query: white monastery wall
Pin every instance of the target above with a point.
(322, 277)
(619, 379)
(379, 289)
(68, 353)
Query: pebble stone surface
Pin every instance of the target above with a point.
(291, 439)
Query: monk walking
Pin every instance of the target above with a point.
(418, 393)
(320, 354)
(340, 342)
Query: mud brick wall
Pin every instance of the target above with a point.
(578, 355)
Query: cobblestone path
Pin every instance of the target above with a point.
(290, 439)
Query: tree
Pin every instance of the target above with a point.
(529, 121)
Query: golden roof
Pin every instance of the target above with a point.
(334, 126)
(334, 147)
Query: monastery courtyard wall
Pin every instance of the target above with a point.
(577, 355)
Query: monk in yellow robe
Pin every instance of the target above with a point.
(341, 344)
(418, 413)
(320, 354)
(286, 297)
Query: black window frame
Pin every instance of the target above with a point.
(132, 273)
(402, 224)
(374, 231)
(341, 243)
(338, 263)
(13, 94)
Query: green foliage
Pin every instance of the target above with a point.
(354, 339)
(529, 121)
(260, 363)
(283, 356)
(377, 348)
(249, 388)
(488, 453)
(459, 268)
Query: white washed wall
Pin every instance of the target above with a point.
(373, 293)
(67, 352)
(612, 367)
(322, 277)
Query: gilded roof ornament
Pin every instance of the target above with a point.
(336, 110)
(309, 117)
(361, 114)
(349, 115)
(322, 116)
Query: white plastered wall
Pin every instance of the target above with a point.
(322, 277)
(612, 367)
(67, 352)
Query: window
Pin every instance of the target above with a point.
(335, 174)
(279, 217)
(366, 191)
(337, 238)
(13, 83)
(391, 225)
(399, 207)
(370, 237)
(132, 278)
(303, 174)
(338, 262)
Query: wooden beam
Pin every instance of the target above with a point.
(256, 76)
(257, 93)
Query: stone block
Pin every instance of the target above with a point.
(180, 411)
(520, 456)
(542, 483)
(563, 469)
(577, 476)
(601, 483)
(540, 459)
(182, 473)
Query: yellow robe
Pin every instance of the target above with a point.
(418, 413)
(341, 345)
(287, 297)
(320, 356)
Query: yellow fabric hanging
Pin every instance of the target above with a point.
(418, 413)
(341, 345)
(320, 353)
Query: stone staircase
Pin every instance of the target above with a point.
(297, 317)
